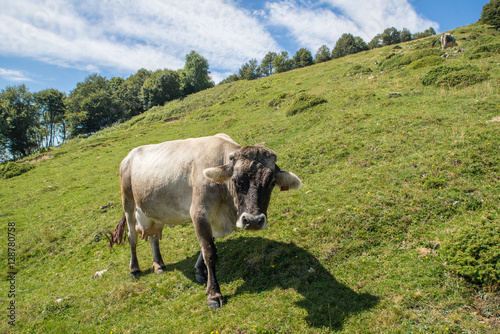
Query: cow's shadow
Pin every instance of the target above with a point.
(265, 264)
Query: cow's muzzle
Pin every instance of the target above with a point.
(249, 221)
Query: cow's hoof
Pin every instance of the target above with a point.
(159, 269)
(201, 277)
(215, 302)
(135, 274)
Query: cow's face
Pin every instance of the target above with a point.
(252, 174)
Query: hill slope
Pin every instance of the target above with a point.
(392, 169)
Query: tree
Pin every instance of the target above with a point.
(405, 35)
(92, 106)
(266, 67)
(491, 13)
(348, 44)
(376, 42)
(360, 44)
(115, 84)
(130, 94)
(162, 86)
(391, 36)
(249, 70)
(427, 32)
(51, 109)
(302, 58)
(231, 78)
(323, 54)
(282, 63)
(195, 76)
(18, 122)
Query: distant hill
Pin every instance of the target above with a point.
(397, 148)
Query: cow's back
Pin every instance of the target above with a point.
(160, 178)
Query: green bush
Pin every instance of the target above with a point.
(357, 69)
(474, 253)
(11, 169)
(491, 13)
(426, 61)
(278, 99)
(303, 102)
(462, 78)
(447, 76)
(485, 50)
(408, 58)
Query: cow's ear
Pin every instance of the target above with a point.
(287, 180)
(219, 174)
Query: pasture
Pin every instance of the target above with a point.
(394, 163)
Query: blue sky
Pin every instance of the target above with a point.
(57, 43)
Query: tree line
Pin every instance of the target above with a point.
(347, 44)
(30, 122)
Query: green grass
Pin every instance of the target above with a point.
(387, 181)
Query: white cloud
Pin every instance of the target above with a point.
(310, 27)
(131, 34)
(313, 24)
(381, 14)
(13, 75)
(126, 35)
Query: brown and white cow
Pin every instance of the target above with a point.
(446, 40)
(211, 181)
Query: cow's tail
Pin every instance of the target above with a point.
(118, 235)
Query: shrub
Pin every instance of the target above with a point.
(357, 69)
(11, 169)
(408, 58)
(454, 76)
(491, 13)
(485, 50)
(302, 102)
(426, 61)
(278, 100)
(462, 78)
(474, 253)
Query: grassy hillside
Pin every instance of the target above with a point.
(397, 149)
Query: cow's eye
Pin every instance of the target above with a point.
(239, 183)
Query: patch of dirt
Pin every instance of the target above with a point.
(172, 119)
(40, 158)
(496, 119)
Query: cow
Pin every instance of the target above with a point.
(212, 181)
(446, 40)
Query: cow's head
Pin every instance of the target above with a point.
(252, 173)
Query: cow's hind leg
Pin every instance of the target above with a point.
(200, 270)
(132, 239)
(158, 265)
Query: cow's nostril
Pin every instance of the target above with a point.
(244, 220)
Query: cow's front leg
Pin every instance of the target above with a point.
(214, 299)
(204, 234)
(158, 265)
